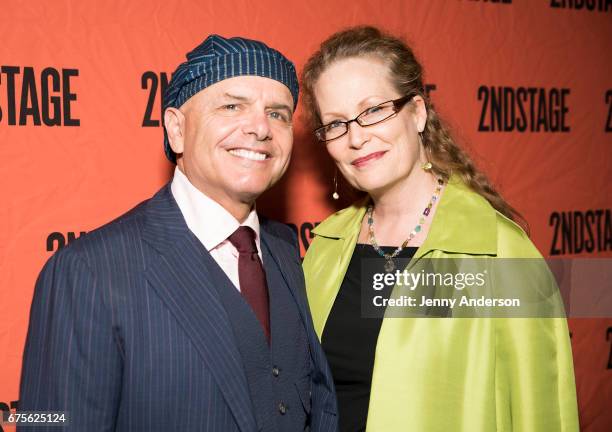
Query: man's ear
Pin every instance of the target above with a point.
(174, 120)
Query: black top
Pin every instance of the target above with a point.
(349, 340)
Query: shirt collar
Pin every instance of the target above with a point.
(211, 223)
(464, 222)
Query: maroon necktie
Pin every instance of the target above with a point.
(251, 275)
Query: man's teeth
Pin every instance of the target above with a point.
(248, 154)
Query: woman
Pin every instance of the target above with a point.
(425, 198)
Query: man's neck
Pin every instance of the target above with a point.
(240, 211)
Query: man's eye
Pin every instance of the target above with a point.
(278, 116)
(230, 107)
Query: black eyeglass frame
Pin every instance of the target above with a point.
(398, 104)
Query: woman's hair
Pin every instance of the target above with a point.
(407, 77)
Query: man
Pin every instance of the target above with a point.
(165, 319)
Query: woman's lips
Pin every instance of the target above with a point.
(362, 161)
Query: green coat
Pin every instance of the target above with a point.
(445, 374)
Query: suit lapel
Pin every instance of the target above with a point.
(285, 257)
(177, 272)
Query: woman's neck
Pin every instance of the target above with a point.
(398, 209)
(405, 198)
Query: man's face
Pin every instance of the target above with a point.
(235, 138)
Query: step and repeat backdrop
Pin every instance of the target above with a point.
(525, 84)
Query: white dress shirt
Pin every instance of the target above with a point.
(212, 224)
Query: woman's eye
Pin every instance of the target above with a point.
(334, 125)
(373, 110)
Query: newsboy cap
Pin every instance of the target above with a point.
(218, 58)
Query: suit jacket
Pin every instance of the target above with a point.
(126, 332)
(455, 374)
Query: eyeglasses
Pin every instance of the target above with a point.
(369, 117)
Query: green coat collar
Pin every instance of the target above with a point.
(458, 208)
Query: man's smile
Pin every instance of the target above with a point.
(249, 154)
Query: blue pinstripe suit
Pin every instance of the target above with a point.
(127, 334)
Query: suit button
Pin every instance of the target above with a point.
(275, 371)
(282, 408)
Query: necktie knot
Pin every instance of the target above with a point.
(243, 240)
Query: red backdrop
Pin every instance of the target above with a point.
(526, 86)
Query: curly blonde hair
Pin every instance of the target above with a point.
(444, 154)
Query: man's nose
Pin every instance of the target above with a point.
(258, 124)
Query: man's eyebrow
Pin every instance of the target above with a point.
(236, 97)
(276, 106)
(281, 106)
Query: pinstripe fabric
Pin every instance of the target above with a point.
(286, 255)
(127, 334)
(217, 59)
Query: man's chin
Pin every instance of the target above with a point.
(251, 190)
(249, 195)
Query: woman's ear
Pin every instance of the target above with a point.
(174, 120)
(420, 113)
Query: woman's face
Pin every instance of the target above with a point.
(372, 158)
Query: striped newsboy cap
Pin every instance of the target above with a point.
(218, 58)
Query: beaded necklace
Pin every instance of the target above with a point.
(390, 264)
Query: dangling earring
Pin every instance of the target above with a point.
(336, 195)
(427, 166)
